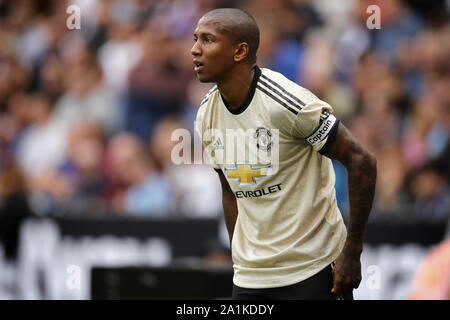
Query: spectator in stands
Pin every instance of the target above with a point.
(128, 68)
(40, 150)
(196, 187)
(392, 200)
(14, 207)
(418, 126)
(14, 76)
(156, 85)
(195, 92)
(83, 171)
(400, 24)
(13, 121)
(282, 24)
(86, 97)
(51, 76)
(120, 53)
(431, 194)
(147, 192)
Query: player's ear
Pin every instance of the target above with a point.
(241, 52)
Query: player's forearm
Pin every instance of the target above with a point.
(361, 168)
(362, 173)
(229, 204)
(230, 211)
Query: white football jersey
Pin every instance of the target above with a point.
(289, 226)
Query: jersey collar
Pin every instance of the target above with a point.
(249, 97)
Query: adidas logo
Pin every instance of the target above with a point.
(218, 144)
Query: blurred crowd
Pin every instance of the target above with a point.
(86, 115)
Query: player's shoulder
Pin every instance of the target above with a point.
(207, 102)
(280, 98)
(209, 95)
(276, 83)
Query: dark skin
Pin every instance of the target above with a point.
(227, 65)
(221, 61)
(362, 172)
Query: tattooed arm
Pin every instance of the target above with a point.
(362, 171)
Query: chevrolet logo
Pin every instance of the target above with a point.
(247, 174)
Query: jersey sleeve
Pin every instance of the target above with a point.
(316, 124)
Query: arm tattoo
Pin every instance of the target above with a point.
(362, 171)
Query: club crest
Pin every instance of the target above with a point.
(263, 138)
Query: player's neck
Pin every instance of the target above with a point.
(235, 87)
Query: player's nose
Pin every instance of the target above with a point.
(195, 50)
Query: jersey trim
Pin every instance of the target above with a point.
(249, 97)
(272, 89)
(277, 100)
(206, 98)
(283, 90)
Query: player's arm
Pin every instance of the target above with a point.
(229, 205)
(362, 171)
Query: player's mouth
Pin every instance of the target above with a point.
(198, 66)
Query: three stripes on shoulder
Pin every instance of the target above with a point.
(279, 94)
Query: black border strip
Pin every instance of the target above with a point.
(281, 95)
(277, 100)
(283, 90)
(209, 94)
(204, 101)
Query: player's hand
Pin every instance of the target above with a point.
(346, 272)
